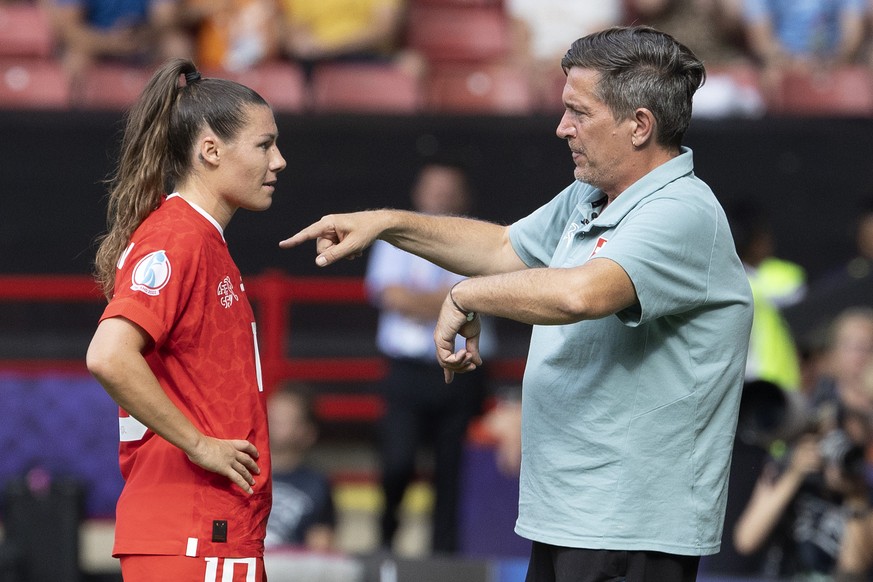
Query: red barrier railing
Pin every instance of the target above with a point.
(273, 293)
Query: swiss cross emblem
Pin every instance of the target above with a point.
(599, 245)
(226, 294)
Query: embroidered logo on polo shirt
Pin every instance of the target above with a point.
(226, 294)
(152, 273)
(598, 245)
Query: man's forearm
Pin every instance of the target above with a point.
(462, 245)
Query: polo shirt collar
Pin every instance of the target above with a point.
(680, 166)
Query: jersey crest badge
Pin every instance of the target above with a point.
(598, 245)
(226, 294)
(151, 273)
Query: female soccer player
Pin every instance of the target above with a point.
(176, 347)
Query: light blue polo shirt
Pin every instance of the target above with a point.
(628, 421)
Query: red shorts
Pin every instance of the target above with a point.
(138, 568)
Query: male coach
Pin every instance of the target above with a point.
(641, 313)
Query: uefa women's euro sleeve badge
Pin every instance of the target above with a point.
(151, 273)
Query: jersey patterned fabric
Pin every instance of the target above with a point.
(178, 282)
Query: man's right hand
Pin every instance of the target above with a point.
(450, 324)
(340, 236)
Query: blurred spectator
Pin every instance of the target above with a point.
(804, 36)
(713, 29)
(542, 31)
(851, 284)
(710, 28)
(140, 32)
(775, 283)
(810, 512)
(867, 379)
(315, 31)
(420, 406)
(503, 423)
(233, 35)
(848, 357)
(303, 510)
(768, 415)
(861, 265)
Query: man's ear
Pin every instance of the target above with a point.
(644, 127)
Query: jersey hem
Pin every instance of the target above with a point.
(607, 543)
(144, 548)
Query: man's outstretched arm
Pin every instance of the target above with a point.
(461, 245)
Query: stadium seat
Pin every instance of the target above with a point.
(742, 73)
(498, 3)
(33, 84)
(458, 33)
(112, 86)
(550, 97)
(280, 83)
(25, 31)
(365, 88)
(489, 88)
(730, 90)
(847, 91)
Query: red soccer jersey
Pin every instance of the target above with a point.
(178, 282)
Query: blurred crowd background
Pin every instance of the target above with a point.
(428, 55)
(480, 79)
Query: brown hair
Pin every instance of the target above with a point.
(642, 67)
(156, 148)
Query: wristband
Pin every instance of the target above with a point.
(470, 315)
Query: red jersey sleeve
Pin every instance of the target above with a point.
(153, 281)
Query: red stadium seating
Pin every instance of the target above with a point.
(498, 3)
(731, 90)
(111, 86)
(465, 33)
(550, 98)
(488, 88)
(365, 88)
(845, 91)
(33, 84)
(742, 73)
(25, 31)
(280, 83)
